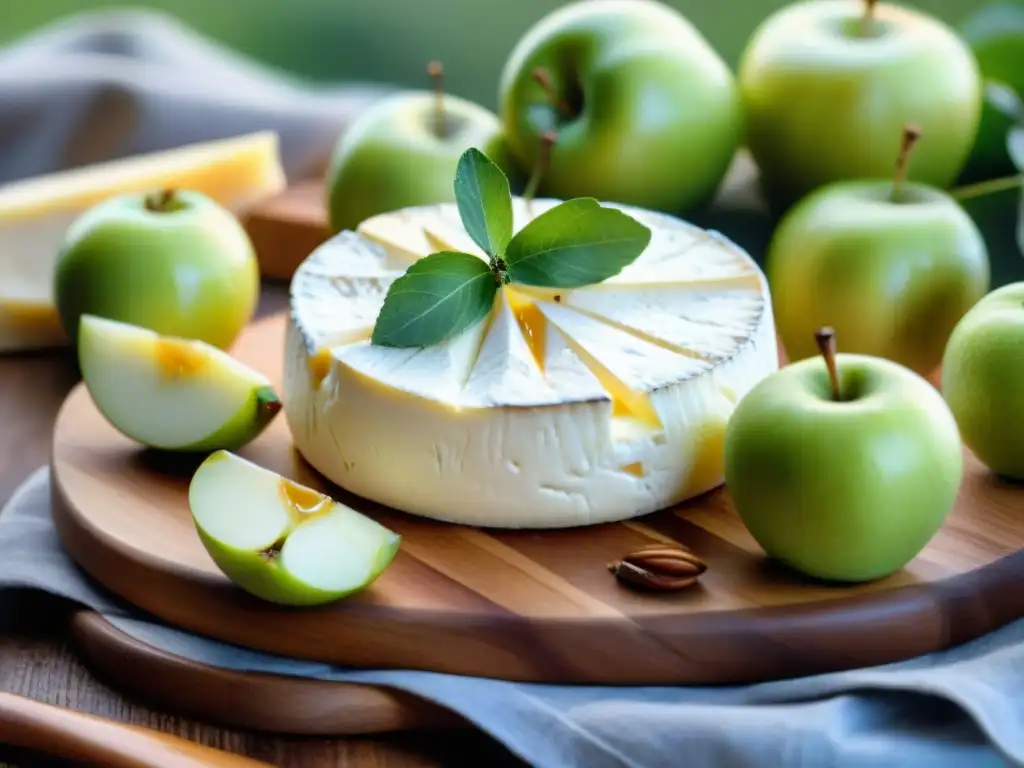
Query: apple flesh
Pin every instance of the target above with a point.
(846, 491)
(653, 117)
(983, 378)
(394, 156)
(179, 265)
(283, 542)
(170, 393)
(825, 97)
(892, 278)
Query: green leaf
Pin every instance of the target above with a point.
(485, 202)
(578, 242)
(438, 297)
(1015, 146)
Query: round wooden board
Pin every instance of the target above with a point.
(250, 701)
(531, 605)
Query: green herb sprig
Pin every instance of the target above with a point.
(577, 242)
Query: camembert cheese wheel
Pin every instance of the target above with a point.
(563, 408)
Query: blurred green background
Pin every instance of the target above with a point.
(391, 40)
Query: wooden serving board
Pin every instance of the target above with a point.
(248, 700)
(286, 228)
(530, 605)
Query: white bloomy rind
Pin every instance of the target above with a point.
(618, 410)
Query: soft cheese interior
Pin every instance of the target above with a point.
(563, 408)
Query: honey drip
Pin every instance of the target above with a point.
(532, 325)
(302, 502)
(177, 358)
(320, 366)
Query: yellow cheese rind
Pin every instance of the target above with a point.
(564, 408)
(29, 325)
(235, 172)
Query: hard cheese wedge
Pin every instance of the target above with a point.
(35, 213)
(562, 408)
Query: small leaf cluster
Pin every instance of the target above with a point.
(575, 243)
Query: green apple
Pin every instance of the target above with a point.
(646, 112)
(983, 379)
(281, 541)
(995, 33)
(825, 95)
(893, 277)
(990, 158)
(175, 262)
(395, 155)
(849, 489)
(171, 393)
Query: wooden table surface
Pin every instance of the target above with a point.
(36, 659)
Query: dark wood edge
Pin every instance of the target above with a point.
(248, 700)
(88, 739)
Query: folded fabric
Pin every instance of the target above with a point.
(108, 84)
(961, 708)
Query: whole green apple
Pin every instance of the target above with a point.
(399, 154)
(893, 277)
(646, 112)
(847, 489)
(990, 156)
(996, 35)
(174, 262)
(827, 84)
(983, 378)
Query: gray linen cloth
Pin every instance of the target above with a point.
(958, 709)
(111, 84)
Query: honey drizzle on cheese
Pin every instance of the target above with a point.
(319, 365)
(626, 403)
(532, 324)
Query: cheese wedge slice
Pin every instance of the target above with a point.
(35, 213)
(562, 408)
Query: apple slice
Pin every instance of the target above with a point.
(281, 541)
(171, 393)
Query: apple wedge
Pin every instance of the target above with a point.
(281, 541)
(170, 393)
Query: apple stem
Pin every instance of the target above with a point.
(868, 18)
(160, 202)
(911, 133)
(543, 78)
(547, 140)
(988, 187)
(435, 69)
(826, 338)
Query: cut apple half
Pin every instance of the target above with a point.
(170, 393)
(281, 541)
